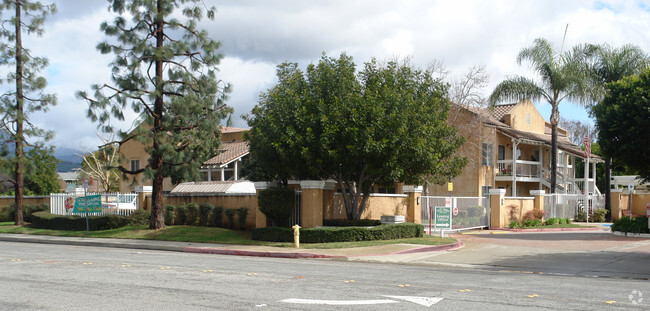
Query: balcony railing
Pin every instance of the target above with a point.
(529, 169)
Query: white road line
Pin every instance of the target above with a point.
(338, 302)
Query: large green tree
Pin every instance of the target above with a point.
(383, 124)
(27, 96)
(609, 64)
(562, 75)
(164, 69)
(41, 177)
(623, 121)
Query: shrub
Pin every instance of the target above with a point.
(514, 224)
(277, 204)
(170, 215)
(534, 214)
(139, 218)
(532, 223)
(45, 220)
(351, 223)
(205, 209)
(217, 216)
(340, 234)
(242, 214)
(28, 210)
(512, 212)
(635, 225)
(567, 221)
(181, 215)
(230, 213)
(192, 212)
(552, 221)
(599, 215)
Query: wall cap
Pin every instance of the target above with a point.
(261, 185)
(411, 189)
(145, 189)
(537, 192)
(312, 184)
(497, 191)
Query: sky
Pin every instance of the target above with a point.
(258, 35)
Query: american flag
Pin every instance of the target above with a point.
(587, 142)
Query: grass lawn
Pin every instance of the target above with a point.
(206, 235)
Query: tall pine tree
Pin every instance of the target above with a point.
(165, 70)
(27, 96)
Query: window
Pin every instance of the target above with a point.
(528, 119)
(135, 165)
(502, 152)
(486, 154)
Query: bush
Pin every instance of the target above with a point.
(45, 220)
(205, 209)
(170, 215)
(340, 234)
(514, 224)
(512, 213)
(217, 217)
(634, 225)
(532, 223)
(4, 214)
(230, 213)
(581, 216)
(181, 215)
(534, 214)
(192, 212)
(568, 221)
(552, 221)
(351, 223)
(139, 218)
(599, 215)
(242, 214)
(277, 204)
(28, 210)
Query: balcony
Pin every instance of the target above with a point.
(525, 171)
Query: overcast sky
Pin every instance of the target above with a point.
(258, 35)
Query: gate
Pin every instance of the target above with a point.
(112, 203)
(568, 205)
(473, 212)
(296, 216)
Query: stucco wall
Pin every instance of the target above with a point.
(521, 206)
(225, 201)
(376, 206)
(6, 201)
(519, 115)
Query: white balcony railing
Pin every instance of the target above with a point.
(529, 169)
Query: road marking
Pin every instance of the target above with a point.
(610, 302)
(338, 302)
(349, 281)
(423, 301)
(16, 259)
(254, 273)
(533, 296)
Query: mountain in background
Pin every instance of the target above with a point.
(69, 158)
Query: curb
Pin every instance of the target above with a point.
(217, 251)
(551, 229)
(434, 248)
(633, 235)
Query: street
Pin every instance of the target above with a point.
(60, 277)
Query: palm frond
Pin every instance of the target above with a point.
(517, 88)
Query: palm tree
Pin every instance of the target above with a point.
(563, 75)
(610, 64)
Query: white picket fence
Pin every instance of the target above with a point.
(112, 203)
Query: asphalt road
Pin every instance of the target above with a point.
(59, 277)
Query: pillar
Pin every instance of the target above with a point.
(538, 203)
(312, 203)
(498, 213)
(615, 199)
(260, 218)
(414, 204)
(328, 200)
(142, 192)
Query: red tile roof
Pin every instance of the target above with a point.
(229, 152)
(227, 129)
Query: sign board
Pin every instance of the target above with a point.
(450, 186)
(455, 211)
(443, 217)
(448, 202)
(90, 204)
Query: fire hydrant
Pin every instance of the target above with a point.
(296, 235)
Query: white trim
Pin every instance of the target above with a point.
(312, 184)
(497, 191)
(537, 192)
(261, 185)
(519, 198)
(410, 189)
(145, 189)
(389, 195)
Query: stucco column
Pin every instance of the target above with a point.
(539, 199)
(142, 192)
(260, 218)
(413, 205)
(328, 199)
(497, 210)
(312, 203)
(615, 198)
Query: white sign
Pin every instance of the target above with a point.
(447, 202)
(455, 211)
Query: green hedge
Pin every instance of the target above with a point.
(45, 220)
(340, 234)
(351, 223)
(634, 225)
(28, 210)
(277, 204)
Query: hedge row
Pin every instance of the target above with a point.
(635, 225)
(351, 223)
(206, 215)
(9, 213)
(45, 220)
(340, 234)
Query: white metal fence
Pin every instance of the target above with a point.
(568, 205)
(473, 212)
(112, 203)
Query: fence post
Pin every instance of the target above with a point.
(413, 206)
(142, 192)
(497, 213)
(312, 203)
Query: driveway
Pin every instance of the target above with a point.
(597, 254)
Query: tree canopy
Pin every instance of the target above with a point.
(165, 70)
(384, 124)
(28, 95)
(622, 118)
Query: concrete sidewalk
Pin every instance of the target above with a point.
(238, 250)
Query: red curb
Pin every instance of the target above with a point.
(550, 229)
(218, 251)
(435, 248)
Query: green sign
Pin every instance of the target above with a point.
(90, 204)
(443, 217)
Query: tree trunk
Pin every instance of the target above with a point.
(19, 186)
(157, 221)
(608, 187)
(555, 118)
